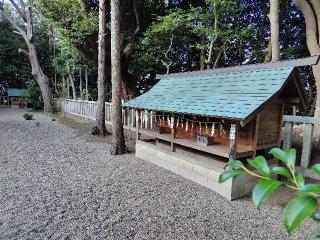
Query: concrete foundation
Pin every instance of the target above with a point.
(198, 167)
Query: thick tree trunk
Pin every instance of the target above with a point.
(25, 13)
(40, 77)
(316, 8)
(274, 25)
(101, 69)
(118, 143)
(87, 82)
(314, 49)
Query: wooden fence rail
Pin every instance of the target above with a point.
(88, 109)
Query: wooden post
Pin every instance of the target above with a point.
(307, 145)
(138, 124)
(287, 135)
(233, 142)
(256, 134)
(173, 134)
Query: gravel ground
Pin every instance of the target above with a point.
(55, 183)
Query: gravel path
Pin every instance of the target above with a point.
(55, 183)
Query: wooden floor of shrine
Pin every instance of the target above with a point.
(216, 149)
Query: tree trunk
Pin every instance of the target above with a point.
(118, 143)
(68, 88)
(274, 25)
(63, 87)
(25, 13)
(202, 53)
(80, 87)
(87, 80)
(314, 49)
(73, 87)
(101, 69)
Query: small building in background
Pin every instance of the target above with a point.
(17, 97)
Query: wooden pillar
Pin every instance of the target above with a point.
(233, 142)
(256, 134)
(138, 124)
(173, 134)
(287, 135)
(307, 145)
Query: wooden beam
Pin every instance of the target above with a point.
(138, 124)
(173, 133)
(314, 60)
(280, 124)
(307, 145)
(256, 134)
(233, 142)
(287, 135)
(300, 119)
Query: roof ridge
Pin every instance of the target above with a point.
(313, 60)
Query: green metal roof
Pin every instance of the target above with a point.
(15, 92)
(233, 95)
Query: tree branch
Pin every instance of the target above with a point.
(24, 52)
(19, 10)
(13, 23)
(137, 15)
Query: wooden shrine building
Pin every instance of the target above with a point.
(200, 120)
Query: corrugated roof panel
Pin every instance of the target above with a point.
(231, 95)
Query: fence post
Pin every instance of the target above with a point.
(307, 145)
(287, 135)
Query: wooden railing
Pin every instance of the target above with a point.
(308, 129)
(88, 109)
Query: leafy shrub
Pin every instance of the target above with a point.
(28, 116)
(53, 110)
(302, 206)
(95, 131)
(34, 94)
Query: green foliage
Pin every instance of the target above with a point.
(263, 190)
(299, 208)
(53, 110)
(229, 174)
(95, 131)
(34, 94)
(28, 116)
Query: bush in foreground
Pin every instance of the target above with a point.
(95, 131)
(28, 116)
(302, 206)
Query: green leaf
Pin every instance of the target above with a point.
(316, 168)
(291, 156)
(235, 164)
(279, 154)
(263, 190)
(281, 171)
(316, 217)
(298, 209)
(229, 174)
(300, 180)
(261, 165)
(310, 188)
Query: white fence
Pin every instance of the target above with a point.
(88, 109)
